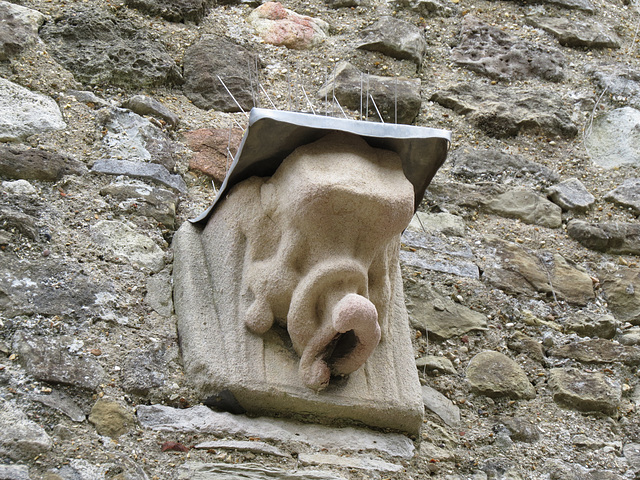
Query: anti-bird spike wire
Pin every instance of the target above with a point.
(360, 95)
(308, 101)
(395, 100)
(326, 92)
(253, 94)
(376, 107)
(367, 114)
(234, 98)
(268, 97)
(340, 107)
(333, 89)
(289, 90)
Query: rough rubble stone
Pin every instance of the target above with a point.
(243, 445)
(159, 294)
(520, 429)
(49, 287)
(527, 206)
(613, 139)
(560, 470)
(505, 113)
(584, 391)
(210, 150)
(438, 223)
(130, 137)
(24, 113)
(212, 57)
(20, 438)
(598, 350)
(121, 240)
(13, 219)
(100, 48)
(143, 370)
(19, 187)
(342, 3)
(280, 26)
(352, 462)
(495, 375)
(173, 10)
(441, 316)
(571, 194)
(623, 81)
(430, 252)
(138, 198)
(55, 360)
(19, 28)
(627, 194)
(496, 166)
(631, 452)
(395, 38)
(576, 33)
(516, 270)
(530, 347)
(607, 237)
(433, 365)
(584, 5)
(203, 420)
(110, 418)
(428, 8)
(14, 472)
(441, 406)
(622, 291)
(630, 336)
(391, 94)
(224, 471)
(64, 403)
(147, 171)
(79, 469)
(588, 324)
(497, 54)
(144, 105)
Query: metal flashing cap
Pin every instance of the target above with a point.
(273, 134)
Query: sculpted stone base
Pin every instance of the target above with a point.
(291, 298)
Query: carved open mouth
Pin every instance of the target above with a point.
(338, 349)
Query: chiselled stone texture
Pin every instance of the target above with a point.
(317, 324)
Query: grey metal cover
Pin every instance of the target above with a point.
(273, 134)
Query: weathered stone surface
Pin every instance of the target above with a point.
(434, 365)
(584, 5)
(122, 241)
(428, 7)
(13, 219)
(613, 139)
(19, 28)
(210, 147)
(342, 3)
(19, 187)
(576, 33)
(437, 223)
(144, 105)
(496, 166)
(148, 171)
(396, 38)
(587, 324)
(291, 295)
(516, 270)
(243, 445)
(560, 470)
(497, 54)
(49, 287)
(630, 337)
(159, 293)
(631, 452)
(212, 57)
(173, 10)
(249, 471)
(20, 438)
(606, 237)
(356, 462)
(623, 81)
(598, 351)
(506, 113)
(110, 418)
(585, 392)
(527, 206)
(144, 369)
(519, 429)
(571, 194)
(64, 403)
(14, 472)
(138, 198)
(430, 252)
(441, 316)
(622, 290)
(280, 26)
(100, 48)
(387, 93)
(441, 406)
(529, 346)
(55, 360)
(627, 194)
(495, 375)
(133, 138)
(203, 420)
(24, 113)
(79, 469)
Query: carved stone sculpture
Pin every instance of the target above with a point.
(290, 297)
